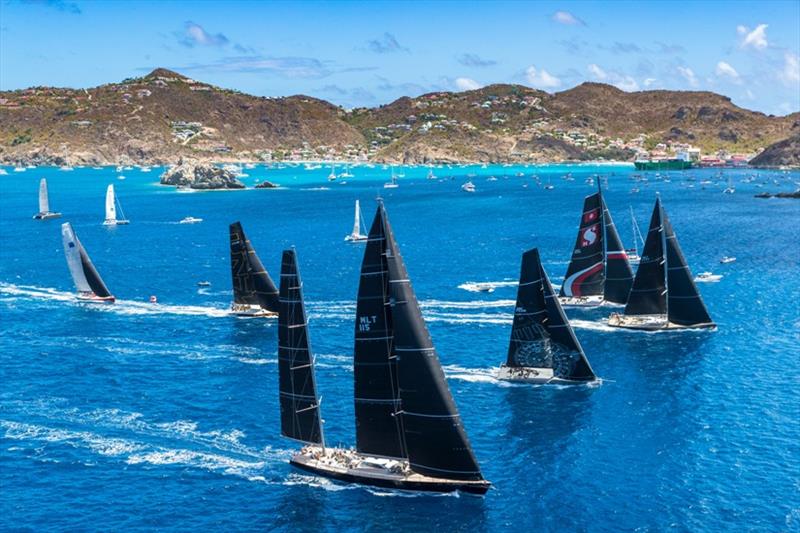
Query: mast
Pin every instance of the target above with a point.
(44, 202)
(379, 428)
(648, 293)
(664, 254)
(435, 438)
(685, 306)
(635, 231)
(252, 284)
(585, 273)
(300, 406)
(603, 224)
(111, 208)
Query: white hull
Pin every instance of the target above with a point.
(529, 374)
(116, 222)
(46, 216)
(649, 322)
(91, 297)
(251, 311)
(580, 301)
(356, 238)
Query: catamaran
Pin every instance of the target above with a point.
(356, 235)
(543, 347)
(44, 203)
(87, 280)
(664, 295)
(254, 293)
(409, 434)
(598, 270)
(111, 209)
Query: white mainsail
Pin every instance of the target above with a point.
(111, 208)
(44, 203)
(357, 221)
(72, 249)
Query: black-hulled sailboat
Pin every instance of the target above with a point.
(664, 295)
(599, 270)
(409, 434)
(254, 293)
(87, 280)
(44, 203)
(543, 347)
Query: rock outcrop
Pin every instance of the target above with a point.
(785, 153)
(267, 185)
(194, 175)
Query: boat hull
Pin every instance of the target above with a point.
(381, 477)
(356, 238)
(46, 216)
(580, 301)
(252, 311)
(527, 374)
(651, 323)
(95, 298)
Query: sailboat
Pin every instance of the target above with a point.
(633, 253)
(87, 280)
(254, 293)
(111, 209)
(393, 183)
(598, 270)
(332, 175)
(468, 186)
(356, 235)
(543, 346)
(44, 203)
(409, 434)
(431, 175)
(664, 295)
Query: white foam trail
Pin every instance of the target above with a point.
(486, 286)
(472, 304)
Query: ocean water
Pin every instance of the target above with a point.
(138, 416)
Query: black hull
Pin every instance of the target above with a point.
(397, 483)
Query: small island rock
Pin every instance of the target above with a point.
(200, 176)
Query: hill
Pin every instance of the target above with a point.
(161, 117)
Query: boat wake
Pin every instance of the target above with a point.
(486, 286)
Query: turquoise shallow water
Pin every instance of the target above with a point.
(142, 416)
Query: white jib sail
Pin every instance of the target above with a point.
(72, 247)
(44, 203)
(111, 208)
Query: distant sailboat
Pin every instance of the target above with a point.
(468, 187)
(393, 183)
(87, 280)
(409, 434)
(254, 293)
(431, 175)
(44, 203)
(633, 253)
(664, 295)
(598, 270)
(332, 175)
(356, 235)
(111, 209)
(543, 346)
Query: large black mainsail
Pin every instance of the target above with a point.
(541, 336)
(251, 282)
(84, 274)
(585, 273)
(378, 426)
(649, 291)
(684, 304)
(435, 440)
(300, 416)
(619, 276)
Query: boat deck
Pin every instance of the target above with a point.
(650, 323)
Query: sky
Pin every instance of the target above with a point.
(370, 53)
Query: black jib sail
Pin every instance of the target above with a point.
(619, 276)
(649, 292)
(541, 336)
(435, 438)
(251, 282)
(684, 304)
(377, 403)
(300, 416)
(585, 273)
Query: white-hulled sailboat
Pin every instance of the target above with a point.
(664, 295)
(87, 280)
(356, 235)
(543, 346)
(409, 434)
(44, 203)
(392, 184)
(111, 209)
(254, 293)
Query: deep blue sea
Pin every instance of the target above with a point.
(140, 416)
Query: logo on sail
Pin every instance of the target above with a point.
(591, 215)
(589, 235)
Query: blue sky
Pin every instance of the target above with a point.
(370, 53)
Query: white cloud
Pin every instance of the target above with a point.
(756, 38)
(467, 84)
(626, 83)
(196, 34)
(541, 78)
(597, 72)
(649, 82)
(565, 17)
(791, 69)
(688, 74)
(725, 70)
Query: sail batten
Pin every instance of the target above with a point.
(435, 439)
(252, 284)
(299, 402)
